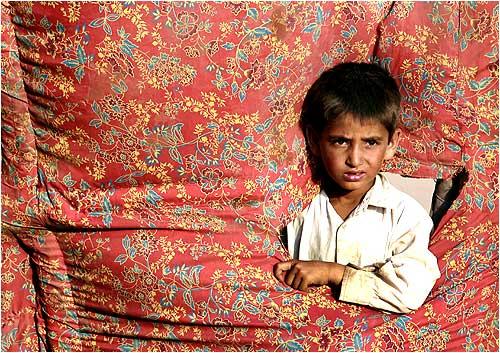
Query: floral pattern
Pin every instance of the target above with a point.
(150, 154)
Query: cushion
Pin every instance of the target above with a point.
(152, 154)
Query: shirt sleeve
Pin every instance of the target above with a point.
(404, 281)
(294, 233)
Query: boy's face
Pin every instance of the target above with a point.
(353, 151)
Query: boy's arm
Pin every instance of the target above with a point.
(402, 283)
(303, 274)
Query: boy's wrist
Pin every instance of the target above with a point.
(336, 274)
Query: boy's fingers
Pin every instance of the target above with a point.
(291, 276)
(301, 282)
(280, 269)
(280, 275)
(304, 286)
(297, 282)
(283, 266)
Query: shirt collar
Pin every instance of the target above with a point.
(379, 195)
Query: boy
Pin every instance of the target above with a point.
(360, 234)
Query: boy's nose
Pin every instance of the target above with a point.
(353, 157)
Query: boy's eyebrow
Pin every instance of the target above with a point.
(374, 137)
(338, 137)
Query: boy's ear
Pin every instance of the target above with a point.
(312, 139)
(393, 144)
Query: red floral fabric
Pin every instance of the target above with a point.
(150, 154)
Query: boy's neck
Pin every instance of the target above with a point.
(345, 201)
(344, 205)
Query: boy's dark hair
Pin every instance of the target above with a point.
(367, 91)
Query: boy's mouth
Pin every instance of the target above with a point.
(354, 176)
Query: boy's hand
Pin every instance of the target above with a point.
(303, 274)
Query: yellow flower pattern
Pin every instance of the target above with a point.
(150, 155)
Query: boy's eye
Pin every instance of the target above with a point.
(371, 142)
(339, 141)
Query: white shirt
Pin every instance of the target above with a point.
(383, 242)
